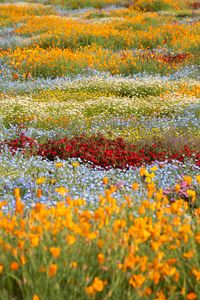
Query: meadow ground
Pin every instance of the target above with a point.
(99, 150)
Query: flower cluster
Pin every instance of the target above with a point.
(100, 151)
(141, 246)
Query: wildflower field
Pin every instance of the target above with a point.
(100, 150)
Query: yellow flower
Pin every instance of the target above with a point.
(55, 251)
(187, 179)
(192, 194)
(58, 164)
(92, 235)
(73, 264)
(155, 168)
(52, 270)
(61, 190)
(198, 178)
(40, 180)
(75, 164)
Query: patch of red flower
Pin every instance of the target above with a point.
(100, 151)
(175, 58)
(195, 5)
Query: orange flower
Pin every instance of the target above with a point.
(1, 268)
(39, 193)
(105, 180)
(52, 270)
(14, 266)
(17, 193)
(55, 251)
(147, 291)
(188, 254)
(187, 179)
(196, 273)
(137, 280)
(160, 296)
(22, 259)
(15, 76)
(177, 187)
(197, 237)
(98, 284)
(143, 172)
(101, 258)
(73, 264)
(135, 186)
(34, 240)
(191, 296)
(198, 178)
(70, 239)
(19, 206)
(36, 297)
(90, 290)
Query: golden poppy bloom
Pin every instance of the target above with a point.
(137, 280)
(135, 186)
(98, 284)
(14, 266)
(177, 187)
(105, 180)
(39, 193)
(196, 273)
(90, 290)
(55, 251)
(187, 179)
(101, 258)
(188, 254)
(52, 271)
(1, 268)
(70, 239)
(36, 297)
(191, 296)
